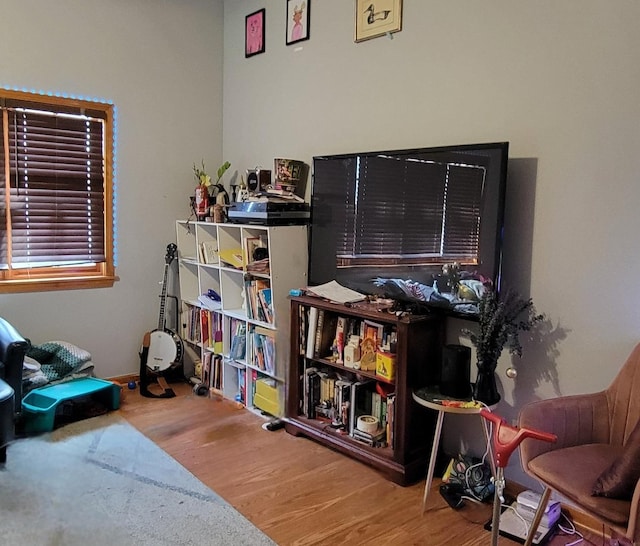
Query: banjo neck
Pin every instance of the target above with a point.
(163, 299)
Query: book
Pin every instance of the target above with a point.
(327, 387)
(373, 330)
(283, 194)
(333, 291)
(302, 330)
(216, 379)
(259, 266)
(232, 257)
(318, 338)
(263, 350)
(314, 394)
(376, 405)
(204, 327)
(209, 252)
(306, 409)
(325, 336)
(360, 402)
(253, 287)
(391, 399)
(266, 304)
(311, 332)
(341, 325)
(238, 347)
(206, 369)
(377, 439)
(242, 386)
(342, 400)
(216, 332)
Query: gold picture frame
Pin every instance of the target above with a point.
(377, 18)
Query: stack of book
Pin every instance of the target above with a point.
(263, 350)
(340, 401)
(212, 371)
(211, 328)
(259, 300)
(238, 345)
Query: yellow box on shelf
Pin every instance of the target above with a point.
(386, 365)
(266, 396)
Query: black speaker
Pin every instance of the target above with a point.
(258, 180)
(455, 373)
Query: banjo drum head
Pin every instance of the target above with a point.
(162, 351)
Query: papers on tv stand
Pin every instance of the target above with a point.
(333, 291)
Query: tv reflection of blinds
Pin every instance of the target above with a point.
(406, 213)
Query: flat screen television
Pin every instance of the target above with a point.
(406, 215)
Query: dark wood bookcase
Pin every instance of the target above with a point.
(418, 354)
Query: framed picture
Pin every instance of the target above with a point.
(250, 245)
(377, 17)
(254, 33)
(297, 20)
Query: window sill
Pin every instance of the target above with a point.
(76, 283)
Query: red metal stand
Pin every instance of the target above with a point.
(504, 440)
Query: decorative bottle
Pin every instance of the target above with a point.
(202, 201)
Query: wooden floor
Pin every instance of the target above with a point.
(295, 490)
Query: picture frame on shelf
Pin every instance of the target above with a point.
(250, 244)
(298, 20)
(377, 19)
(254, 33)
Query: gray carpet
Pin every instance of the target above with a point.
(101, 482)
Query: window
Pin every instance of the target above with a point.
(56, 193)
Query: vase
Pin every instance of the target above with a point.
(485, 389)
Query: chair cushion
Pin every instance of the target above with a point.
(6, 392)
(619, 479)
(575, 481)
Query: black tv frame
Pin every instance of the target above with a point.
(325, 208)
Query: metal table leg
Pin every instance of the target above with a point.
(432, 459)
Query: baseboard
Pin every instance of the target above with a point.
(124, 379)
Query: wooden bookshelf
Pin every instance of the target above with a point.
(403, 453)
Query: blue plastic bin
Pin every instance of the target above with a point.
(39, 406)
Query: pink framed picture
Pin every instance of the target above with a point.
(297, 21)
(254, 33)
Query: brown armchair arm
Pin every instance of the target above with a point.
(576, 420)
(633, 531)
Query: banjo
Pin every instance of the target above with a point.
(165, 346)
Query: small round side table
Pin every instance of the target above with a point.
(431, 398)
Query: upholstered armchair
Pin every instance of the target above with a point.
(12, 350)
(596, 461)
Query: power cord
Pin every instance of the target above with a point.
(523, 520)
(482, 462)
(570, 530)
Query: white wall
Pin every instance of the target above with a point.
(558, 80)
(160, 62)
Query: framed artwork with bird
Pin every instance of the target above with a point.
(377, 18)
